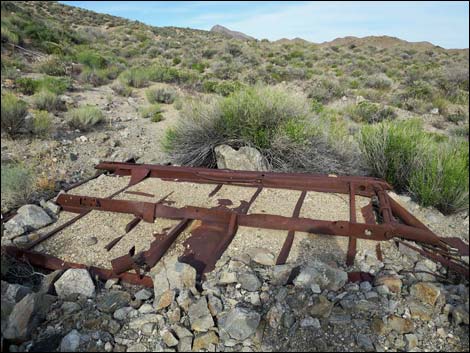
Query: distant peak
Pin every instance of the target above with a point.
(229, 33)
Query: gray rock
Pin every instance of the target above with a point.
(75, 281)
(310, 322)
(200, 316)
(249, 281)
(214, 304)
(321, 307)
(70, 342)
(113, 300)
(168, 338)
(50, 207)
(281, 273)
(325, 276)
(262, 256)
(246, 158)
(15, 292)
(365, 342)
(70, 307)
(239, 323)
(185, 344)
(13, 228)
(30, 217)
(137, 347)
(365, 286)
(26, 315)
(122, 313)
(172, 274)
(143, 294)
(227, 277)
(182, 332)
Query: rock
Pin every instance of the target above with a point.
(113, 300)
(360, 99)
(50, 207)
(205, 341)
(123, 313)
(185, 344)
(411, 341)
(91, 241)
(410, 253)
(325, 276)
(70, 307)
(174, 315)
(400, 325)
(14, 292)
(392, 282)
(182, 332)
(365, 342)
(200, 316)
(321, 307)
(378, 326)
(110, 283)
(249, 282)
(262, 256)
(421, 269)
(214, 304)
(315, 288)
(274, 315)
(70, 342)
(26, 315)
(172, 274)
(137, 347)
(32, 217)
(146, 308)
(164, 300)
(227, 277)
(184, 299)
(246, 158)
(340, 319)
(168, 338)
(143, 294)
(47, 283)
(365, 287)
(13, 228)
(460, 315)
(108, 347)
(434, 111)
(427, 293)
(420, 311)
(75, 281)
(281, 274)
(310, 322)
(240, 323)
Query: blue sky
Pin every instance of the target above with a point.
(444, 23)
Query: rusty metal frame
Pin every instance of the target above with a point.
(218, 225)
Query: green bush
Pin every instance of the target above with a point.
(17, 184)
(26, 85)
(371, 113)
(85, 117)
(273, 120)
(152, 112)
(135, 77)
(14, 112)
(121, 89)
(46, 100)
(57, 85)
(160, 95)
(96, 77)
(42, 123)
(381, 82)
(91, 59)
(324, 90)
(53, 66)
(415, 161)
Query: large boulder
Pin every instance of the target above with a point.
(170, 274)
(323, 275)
(240, 323)
(28, 217)
(75, 281)
(246, 158)
(26, 315)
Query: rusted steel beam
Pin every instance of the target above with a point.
(296, 181)
(284, 254)
(352, 245)
(54, 263)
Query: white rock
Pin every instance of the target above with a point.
(75, 281)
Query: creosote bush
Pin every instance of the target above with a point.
(152, 112)
(371, 113)
(85, 117)
(160, 95)
(432, 169)
(274, 120)
(14, 111)
(46, 100)
(17, 184)
(42, 123)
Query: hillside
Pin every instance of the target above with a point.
(57, 58)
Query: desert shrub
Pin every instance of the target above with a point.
(57, 85)
(152, 112)
(415, 161)
(95, 77)
(273, 120)
(121, 89)
(46, 100)
(419, 90)
(26, 85)
(441, 178)
(14, 112)
(135, 77)
(371, 112)
(9, 36)
(160, 95)
(53, 66)
(17, 183)
(324, 90)
(91, 59)
(460, 131)
(380, 81)
(85, 117)
(42, 123)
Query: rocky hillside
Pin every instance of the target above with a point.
(230, 33)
